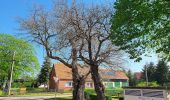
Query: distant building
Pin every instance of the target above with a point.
(61, 78)
(138, 75)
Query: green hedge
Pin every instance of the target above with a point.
(114, 92)
(121, 98)
(18, 84)
(90, 94)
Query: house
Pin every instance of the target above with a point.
(138, 75)
(61, 78)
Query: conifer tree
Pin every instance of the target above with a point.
(43, 77)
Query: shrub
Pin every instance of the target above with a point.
(150, 84)
(108, 98)
(121, 98)
(91, 95)
(114, 92)
(87, 95)
(91, 91)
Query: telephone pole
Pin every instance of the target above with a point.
(146, 75)
(12, 67)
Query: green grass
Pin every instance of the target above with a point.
(44, 94)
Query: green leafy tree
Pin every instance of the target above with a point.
(149, 69)
(26, 62)
(130, 75)
(141, 24)
(43, 77)
(161, 73)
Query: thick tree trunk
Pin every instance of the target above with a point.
(99, 88)
(78, 89)
(78, 81)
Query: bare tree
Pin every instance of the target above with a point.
(90, 26)
(45, 29)
(82, 31)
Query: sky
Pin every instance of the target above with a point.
(11, 9)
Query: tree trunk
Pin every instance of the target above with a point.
(78, 81)
(99, 88)
(78, 89)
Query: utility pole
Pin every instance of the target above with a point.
(12, 67)
(146, 75)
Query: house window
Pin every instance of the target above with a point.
(89, 85)
(68, 84)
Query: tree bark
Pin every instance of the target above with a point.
(99, 88)
(78, 88)
(78, 81)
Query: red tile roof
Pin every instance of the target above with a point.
(138, 75)
(63, 72)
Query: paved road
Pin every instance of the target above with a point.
(30, 98)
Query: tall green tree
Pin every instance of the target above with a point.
(141, 24)
(161, 73)
(26, 62)
(43, 77)
(149, 71)
(130, 75)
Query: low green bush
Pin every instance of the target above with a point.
(87, 95)
(121, 98)
(114, 92)
(93, 97)
(90, 94)
(36, 90)
(108, 97)
(19, 84)
(150, 84)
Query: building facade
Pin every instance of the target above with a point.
(61, 78)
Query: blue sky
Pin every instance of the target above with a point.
(11, 9)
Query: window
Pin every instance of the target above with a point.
(89, 85)
(68, 84)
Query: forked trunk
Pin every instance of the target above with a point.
(78, 81)
(78, 89)
(99, 88)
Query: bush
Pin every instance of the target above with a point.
(91, 95)
(35, 90)
(108, 98)
(121, 98)
(114, 92)
(150, 84)
(87, 95)
(91, 91)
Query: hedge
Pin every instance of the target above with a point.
(114, 92)
(90, 94)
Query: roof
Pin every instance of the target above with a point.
(63, 72)
(112, 74)
(138, 75)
